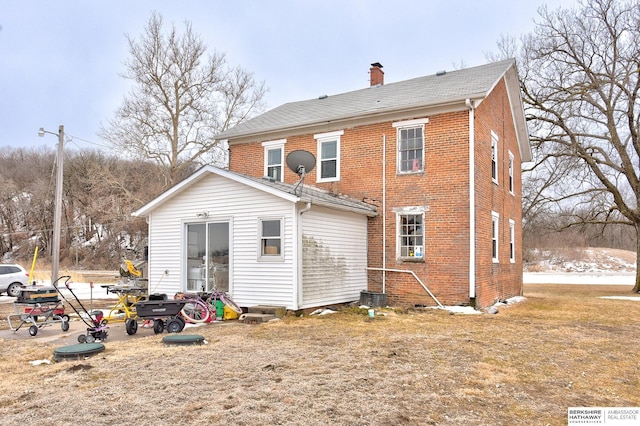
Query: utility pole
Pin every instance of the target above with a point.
(57, 218)
(57, 214)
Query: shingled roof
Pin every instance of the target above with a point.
(441, 89)
(291, 192)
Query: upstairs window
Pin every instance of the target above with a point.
(328, 156)
(494, 157)
(274, 159)
(511, 161)
(411, 145)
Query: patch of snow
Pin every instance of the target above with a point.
(515, 299)
(579, 278)
(633, 298)
(322, 312)
(467, 310)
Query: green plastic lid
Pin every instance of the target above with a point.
(78, 351)
(183, 339)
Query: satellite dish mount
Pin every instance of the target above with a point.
(300, 162)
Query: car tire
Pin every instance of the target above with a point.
(14, 289)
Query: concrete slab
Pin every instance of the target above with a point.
(254, 318)
(278, 311)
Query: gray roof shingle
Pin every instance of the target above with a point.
(317, 196)
(475, 82)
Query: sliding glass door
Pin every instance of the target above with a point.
(207, 256)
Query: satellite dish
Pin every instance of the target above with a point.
(301, 162)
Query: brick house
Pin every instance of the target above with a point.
(438, 156)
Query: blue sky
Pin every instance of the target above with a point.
(61, 61)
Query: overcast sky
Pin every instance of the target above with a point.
(61, 61)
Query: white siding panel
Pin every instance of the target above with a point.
(334, 252)
(251, 282)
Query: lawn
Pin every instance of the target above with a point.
(562, 347)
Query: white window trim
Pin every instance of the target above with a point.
(270, 258)
(495, 236)
(399, 125)
(412, 210)
(512, 183)
(328, 137)
(494, 153)
(512, 241)
(411, 123)
(273, 145)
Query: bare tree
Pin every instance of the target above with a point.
(580, 81)
(180, 100)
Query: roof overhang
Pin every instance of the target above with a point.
(361, 119)
(255, 183)
(517, 112)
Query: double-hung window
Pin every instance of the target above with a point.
(494, 157)
(274, 159)
(511, 161)
(495, 236)
(328, 156)
(270, 239)
(410, 233)
(410, 139)
(512, 241)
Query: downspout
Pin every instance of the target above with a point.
(305, 209)
(472, 201)
(299, 256)
(384, 214)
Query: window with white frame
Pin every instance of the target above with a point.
(274, 159)
(512, 241)
(410, 145)
(511, 161)
(495, 235)
(410, 229)
(328, 156)
(494, 157)
(270, 239)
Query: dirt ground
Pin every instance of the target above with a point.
(562, 347)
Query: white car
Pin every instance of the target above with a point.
(12, 279)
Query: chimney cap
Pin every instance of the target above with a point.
(376, 65)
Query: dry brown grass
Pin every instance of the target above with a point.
(526, 365)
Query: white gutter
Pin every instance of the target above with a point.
(472, 200)
(384, 213)
(305, 209)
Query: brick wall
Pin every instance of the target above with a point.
(443, 189)
(496, 281)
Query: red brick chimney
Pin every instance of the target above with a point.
(376, 74)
